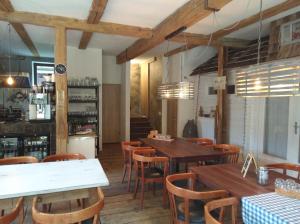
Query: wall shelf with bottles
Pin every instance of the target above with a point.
(83, 113)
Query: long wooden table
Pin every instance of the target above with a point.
(181, 150)
(228, 177)
(55, 181)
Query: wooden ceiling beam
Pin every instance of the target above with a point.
(187, 15)
(273, 11)
(5, 5)
(96, 12)
(74, 24)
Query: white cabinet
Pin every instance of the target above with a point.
(84, 145)
(206, 127)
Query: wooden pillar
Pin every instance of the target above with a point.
(220, 98)
(61, 92)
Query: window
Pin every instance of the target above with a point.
(290, 32)
(276, 127)
(39, 69)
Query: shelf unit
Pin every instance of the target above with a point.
(82, 119)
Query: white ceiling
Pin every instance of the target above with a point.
(144, 13)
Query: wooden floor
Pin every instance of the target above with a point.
(120, 207)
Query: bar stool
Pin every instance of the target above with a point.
(92, 211)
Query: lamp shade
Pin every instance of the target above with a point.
(279, 78)
(180, 90)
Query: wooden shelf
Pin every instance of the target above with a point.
(83, 101)
(83, 87)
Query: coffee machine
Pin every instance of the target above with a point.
(39, 106)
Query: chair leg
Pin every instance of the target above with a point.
(154, 190)
(137, 180)
(186, 167)
(124, 172)
(79, 202)
(21, 215)
(164, 195)
(96, 219)
(2, 212)
(142, 194)
(129, 178)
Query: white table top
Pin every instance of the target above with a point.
(42, 178)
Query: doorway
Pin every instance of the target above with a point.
(282, 128)
(111, 113)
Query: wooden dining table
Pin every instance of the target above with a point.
(229, 177)
(52, 181)
(180, 150)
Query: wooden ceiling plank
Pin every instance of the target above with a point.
(273, 11)
(6, 5)
(96, 12)
(75, 24)
(187, 15)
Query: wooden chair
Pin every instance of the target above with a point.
(19, 209)
(128, 152)
(17, 212)
(187, 205)
(221, 203)
(285, 167)
(147, 170)
(92, 211)
(232, 152)
(201, 141)
(18, 160)
(63, 157)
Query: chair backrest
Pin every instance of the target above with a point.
(232, 152)
(63, 157)
(201, 141)
(18, 160)
(146, 157)
(125, 144)
(70, 217)
(285, 167)
(129, 151)
(221, 203)
(187, 194)
(17, 211)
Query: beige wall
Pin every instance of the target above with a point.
(135, 90)
(144, 89)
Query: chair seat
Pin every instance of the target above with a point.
(152, 172)
(196, 212)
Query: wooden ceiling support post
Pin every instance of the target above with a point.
(61, 92)
(220, 97)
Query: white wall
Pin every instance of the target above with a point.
(111, 70)
(125, 101)
(82, 63)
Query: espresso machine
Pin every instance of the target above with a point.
(39, 106)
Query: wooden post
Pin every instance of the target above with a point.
(220, 98)
(61, 92)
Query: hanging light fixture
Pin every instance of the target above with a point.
(279, 78)
(10, 81)
(177, 90)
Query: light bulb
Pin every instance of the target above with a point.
(10, 81)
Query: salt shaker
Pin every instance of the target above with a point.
(263, 176)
